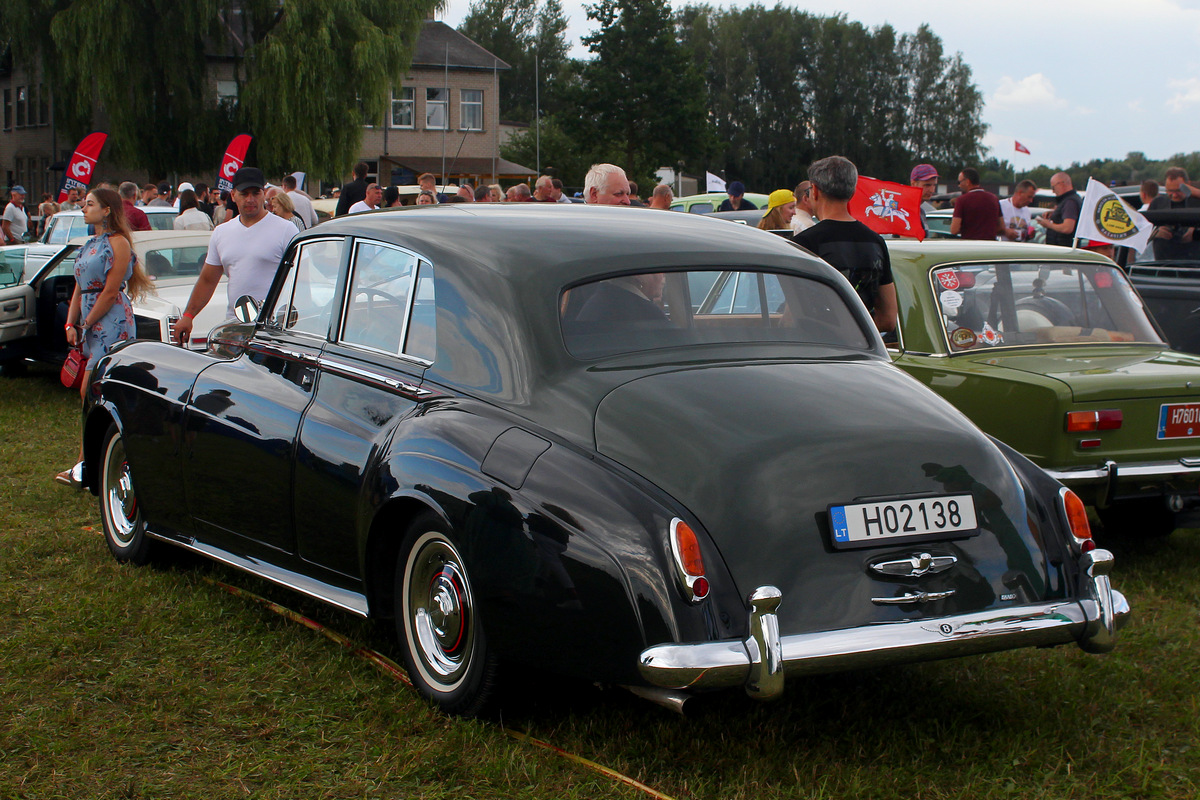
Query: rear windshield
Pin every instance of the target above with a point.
(994, 305)
(651, 310)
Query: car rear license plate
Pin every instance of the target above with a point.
(1179, 421)
(892, 521)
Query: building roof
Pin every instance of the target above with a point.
(439, 45)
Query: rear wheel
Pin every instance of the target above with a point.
(1131, 521)
(124, 527)
(437, 620)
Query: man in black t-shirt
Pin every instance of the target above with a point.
(353, 191)
(848, 245)
(1060, 223)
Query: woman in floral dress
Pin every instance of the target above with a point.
(107, 275)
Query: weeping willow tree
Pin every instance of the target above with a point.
(308, 73)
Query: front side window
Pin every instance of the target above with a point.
(1013, 304)
(471, 110)
(12, 265)
(684, 308)
(404, 107)
(305, 303)
(437, 108)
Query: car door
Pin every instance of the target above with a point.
(16, 298)
(243, 415)
(369, 380)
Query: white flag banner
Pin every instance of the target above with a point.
(1107, 218)
(714, 184)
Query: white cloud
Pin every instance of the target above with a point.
(1033, 90)
(1188, 94)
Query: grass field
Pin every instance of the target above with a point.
(120, 682)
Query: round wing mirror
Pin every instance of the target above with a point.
(246, 308)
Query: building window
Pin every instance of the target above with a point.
(43, 105)
(22, 105)
(404, 101)
(470, 109)
(227, 93)
(437, 108)
(8, 110)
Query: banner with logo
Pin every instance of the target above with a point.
(887, 207)
(235, 155)
(1020, 148)
(82, 164)
(713, 183)
(1107, 218)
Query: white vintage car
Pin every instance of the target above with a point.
(36, 282)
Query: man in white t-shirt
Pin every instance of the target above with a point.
(247, 249)
(15, 221)
(1017, 213)
(300, 201)
(373, 199)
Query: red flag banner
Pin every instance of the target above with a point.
(887, 207)
(235, 155)
(1020, 148)
(82, 164)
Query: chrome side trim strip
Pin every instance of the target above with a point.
(914, 597)
(349, 371)
(350, 601)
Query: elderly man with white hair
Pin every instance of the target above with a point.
(606, 185)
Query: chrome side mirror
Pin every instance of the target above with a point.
(246, 308)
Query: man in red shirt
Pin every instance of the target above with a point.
(137, 218)
(976, 211)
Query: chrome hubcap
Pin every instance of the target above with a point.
(439, 610)
(120, 506)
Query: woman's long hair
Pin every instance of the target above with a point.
(772, 220)
(139, 284)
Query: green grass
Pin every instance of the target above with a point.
(152, 683)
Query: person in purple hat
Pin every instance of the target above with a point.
(925, 178)
(736, 201)
(247, 248)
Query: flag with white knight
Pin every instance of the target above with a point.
(1107, 218)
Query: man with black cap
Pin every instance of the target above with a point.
(164, 196)
(737, 200)
(247, 249)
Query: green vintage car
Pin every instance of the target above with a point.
(1051, 351)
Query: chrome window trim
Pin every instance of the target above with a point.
(350, 371)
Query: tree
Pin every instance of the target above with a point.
(640, 97)
(520, 33)
(141, 68)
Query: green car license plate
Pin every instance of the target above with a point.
(1179, 421)
(896, 521)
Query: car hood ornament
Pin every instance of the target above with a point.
(914, 567)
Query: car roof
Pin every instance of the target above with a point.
(151, 238)
(500, 269)
(946, 251)
(78, 212)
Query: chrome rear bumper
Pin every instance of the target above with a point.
(760, 662)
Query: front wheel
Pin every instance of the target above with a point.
(437, 620)
(124, 527)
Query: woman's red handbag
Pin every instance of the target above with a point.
(73, 369)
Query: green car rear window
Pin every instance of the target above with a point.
(652, 310)
(1023, 304)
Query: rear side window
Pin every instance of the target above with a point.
(647, 311)
(378, 297)
(173, 262)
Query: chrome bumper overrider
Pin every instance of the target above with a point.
(760, 662)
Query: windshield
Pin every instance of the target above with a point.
(651, 310)
(994, 305)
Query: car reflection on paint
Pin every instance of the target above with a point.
(642, 449)
(1051, 351)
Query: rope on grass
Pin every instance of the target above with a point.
(396, 672)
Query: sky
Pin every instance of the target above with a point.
(1071, 80)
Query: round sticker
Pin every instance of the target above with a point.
(948, 279)
(951, 300)
(1112, 218)
(963, 338)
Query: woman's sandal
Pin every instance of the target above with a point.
(71, 477)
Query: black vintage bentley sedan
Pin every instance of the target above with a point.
(615, 443)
